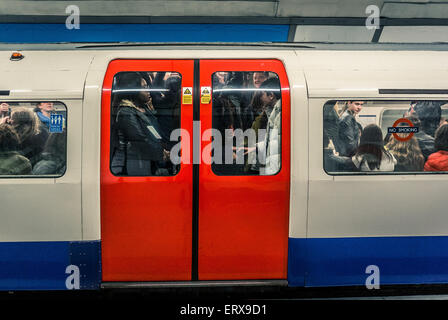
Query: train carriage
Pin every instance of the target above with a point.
(96, 223)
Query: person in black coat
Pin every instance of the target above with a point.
(53, 157)
(349, 129)
(333, 162)
(429, 113)
(425, 141)
(139, 147)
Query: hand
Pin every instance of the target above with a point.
(166, 155)
(246, 149)
(4, 120)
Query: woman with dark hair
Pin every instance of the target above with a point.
(438, 161)
(11, 161)
(140, 147)
(371, 154)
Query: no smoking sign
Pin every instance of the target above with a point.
(410, 129)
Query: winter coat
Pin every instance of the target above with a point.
(43, 119)
(271, 146)
(349, 134)
(426, 143)
(13, 163)
(437, 161)
(360, 161)
(331, 125)
(139, 141)
(334, 163)
(32, 147)
(429, 113)
(49, 164)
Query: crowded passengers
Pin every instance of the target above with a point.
(350, 147)
(146, 111)
(27, 143)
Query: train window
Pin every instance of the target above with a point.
(246, 122)
(145, 109)
(33, 139)
(395, 137)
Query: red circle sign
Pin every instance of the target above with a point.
(401, 120)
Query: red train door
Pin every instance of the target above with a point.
(146, 204)
(243, 212)
(197, 220)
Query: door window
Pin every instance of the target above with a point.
(145, 110)
(246, 122)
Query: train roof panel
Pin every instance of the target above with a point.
(346, 74)
(44, 75)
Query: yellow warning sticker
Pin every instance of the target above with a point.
(187, 95)
(206, 95)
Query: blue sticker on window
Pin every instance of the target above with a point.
(56, 122)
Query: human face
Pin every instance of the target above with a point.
(355, 106)
(144, 94)
(4, 107)
(258, 79)
(46, 107)
(266, 98)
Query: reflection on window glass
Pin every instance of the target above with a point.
(246, 111)
(145, 111)
(33, 138)
(385, 136)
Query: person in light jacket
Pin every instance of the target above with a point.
(270, 147)
(371, 154)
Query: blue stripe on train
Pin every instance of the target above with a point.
(42, 265)
(343, 261)
(40, 33)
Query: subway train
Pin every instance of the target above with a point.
(104, 204)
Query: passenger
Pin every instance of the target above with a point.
(53, 158)
(407, 153)
(259, 78)
(11, 161)
(252, 164)
(271, 146)
(168, 105)
(425, 141)
(5, 112)
(220, 79)
(443, 121)
(349, 129)
(371, 154)
(332, 161)
(43, 110)
(141, 148)
(331, 124)
(224, 119)
(32, 137)
(429, 113)
(251, 103)
(438, 161)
